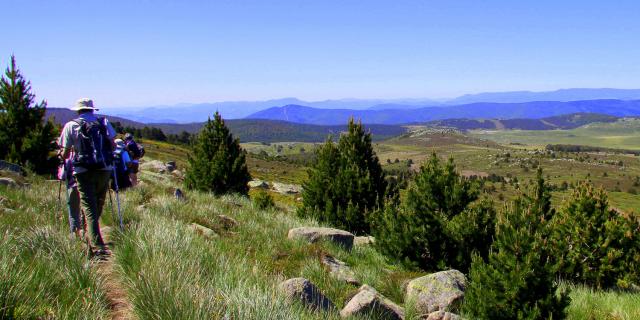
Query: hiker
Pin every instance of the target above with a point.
(136, 151)
(65, 173)
(122, 163)
(91, 140)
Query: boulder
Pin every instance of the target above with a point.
(203, 231)
(301, 289)
(11, 167)
(440, 291)
(368, 301)
(286, 188)
(443, 315)
(154, 166)
(258, 184)
(339, 270)
(364, 241)
(227, 221)
(171, 166)
(315, 234)
(177, 173)
(8, 182)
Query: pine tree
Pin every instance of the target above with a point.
(517, 281)
(594, 244)
(217, 163)
(346, 183)
(438, 226)
(25, 138)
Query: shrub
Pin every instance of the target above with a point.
(437, 226)
(346, 182)
(263, 200)
(595, 244)
(217, 163)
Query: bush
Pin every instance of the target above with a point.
(595, 244)
(263, 200)
(346, 182)
(437, 226)
(516, 281)
(217, 163)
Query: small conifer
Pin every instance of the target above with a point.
(217, 163)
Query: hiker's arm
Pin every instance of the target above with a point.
(65, 141)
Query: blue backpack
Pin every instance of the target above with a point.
(96, 151)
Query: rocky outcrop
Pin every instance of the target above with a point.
(364, 241)
(203, 231)
(440, 291)
(8, 182)
(301, 289)
(154, 166)
(258, 184)
(368, 301)
(442, 315)
(315, 234)
(339, 270)
(11, 167)
(286, 188)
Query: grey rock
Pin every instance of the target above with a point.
(339, 270)
(154, 166)
(301, 289)
(203, 231)
(364, 241)
(12, 167)
(8, 182)
(443, 315)
(227, 221)
(368, 301)
(258, 184)
(440, 291)
(315, 234)
(286, 188)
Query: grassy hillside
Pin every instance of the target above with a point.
(567, 121)
(622, 134)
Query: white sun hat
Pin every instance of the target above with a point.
(84, 104)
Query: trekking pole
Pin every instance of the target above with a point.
(59, 198)
(115, 183)
(68, 204)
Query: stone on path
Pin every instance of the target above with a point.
(440, 291)
(315, 234)
(301, 289)
(364, 241)
(339, 270)
(258, 184)
(204, 231)
(8, 182)
(443, 315)
(368, 301)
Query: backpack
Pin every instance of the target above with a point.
(95, 149)
(135, 150)
(122, 173)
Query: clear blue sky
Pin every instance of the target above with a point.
(134, 53)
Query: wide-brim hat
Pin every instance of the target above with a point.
(119, 143)
(84, 104)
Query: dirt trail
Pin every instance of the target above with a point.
(115, 291)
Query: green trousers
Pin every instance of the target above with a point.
(93, 187)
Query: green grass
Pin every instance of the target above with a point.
(589, 304)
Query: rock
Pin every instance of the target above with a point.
(286, 188)
(177, 173)
(227, 221)
(8, 182)
(339, 270)
(12, 167)
(443, 315)
(314, 234)
(364, 241)
(440, 291)
(154, 165)
(368, 301)
(171, 166)
(258, 184)
(301, 289)
(203, 231)
(179, 194)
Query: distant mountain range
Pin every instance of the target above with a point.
(186, 113)
(564, 122)
(481, 110)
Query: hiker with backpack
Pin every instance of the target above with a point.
(136, 151)
(122, 163)
(91, 140)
